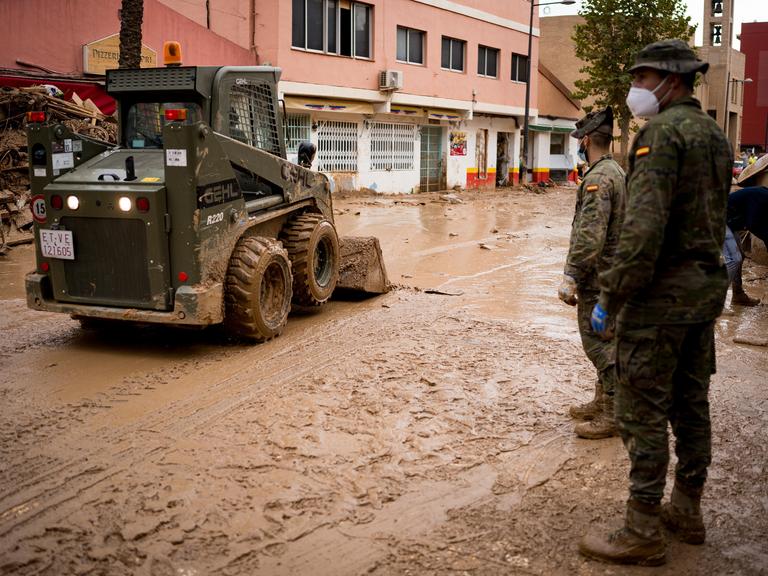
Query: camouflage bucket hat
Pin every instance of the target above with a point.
(671, 56)
(595, 121)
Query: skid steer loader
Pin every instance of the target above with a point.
(195, 217)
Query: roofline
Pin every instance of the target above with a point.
(547, 73)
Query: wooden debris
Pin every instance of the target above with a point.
(80, 117)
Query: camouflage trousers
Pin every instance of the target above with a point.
(600, 352)
(663, 374)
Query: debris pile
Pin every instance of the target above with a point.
(81, 117)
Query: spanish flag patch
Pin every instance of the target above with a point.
(642, 151)
(593, 188)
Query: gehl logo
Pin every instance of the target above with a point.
(218, 193)
(296, 174)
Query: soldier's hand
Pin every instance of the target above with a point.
(567, 290)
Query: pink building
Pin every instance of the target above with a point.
(398, 95)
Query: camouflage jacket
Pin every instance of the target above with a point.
(596, 223)
(668, 267)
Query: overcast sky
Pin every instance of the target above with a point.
(743, 11)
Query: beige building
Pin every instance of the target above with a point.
(721, 90)
(723, 85)
(557, 50)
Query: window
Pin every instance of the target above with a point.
(557, 143)
(333, 26)
(716, 34)
(410, 45)
(487, 61)
(252, 116)
(519, 68)
(362, 26)
(453, 54)
(145, 121)
(392, 146)
(717, 8)
(337, 146)
(297, 128)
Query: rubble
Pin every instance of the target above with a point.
(81, 117)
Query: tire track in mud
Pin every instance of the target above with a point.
(21, 504)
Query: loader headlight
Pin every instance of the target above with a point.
(124, 203)
(73, 203)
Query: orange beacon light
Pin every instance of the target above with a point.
(172, 53)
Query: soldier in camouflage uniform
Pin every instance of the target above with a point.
(666, 286)
(594, 235)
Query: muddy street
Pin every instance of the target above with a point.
(420, 432)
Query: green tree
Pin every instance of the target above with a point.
(612, 33)
(131, 18)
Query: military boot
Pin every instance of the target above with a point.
(639, 542)
(682, 514)
(603, 425)
(591, 409)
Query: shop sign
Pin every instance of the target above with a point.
(102, 55)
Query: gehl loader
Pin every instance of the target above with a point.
(195, 218)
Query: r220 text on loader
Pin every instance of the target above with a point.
(195, 217)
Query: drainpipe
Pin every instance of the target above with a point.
(208, 14)
(252, 26)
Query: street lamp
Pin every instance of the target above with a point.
(727, 107)
(524, 174)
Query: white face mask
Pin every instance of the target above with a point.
(642, 102)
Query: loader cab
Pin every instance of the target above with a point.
(143, 126)
(145, 95)
(238, 101)
(244, 106)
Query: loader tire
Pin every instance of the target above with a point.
(257, 289)
(313, 248)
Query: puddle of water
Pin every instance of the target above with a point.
(503, 253)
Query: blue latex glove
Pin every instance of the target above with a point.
(599, 320)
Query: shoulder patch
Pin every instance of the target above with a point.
(642, 151)
(593, 188)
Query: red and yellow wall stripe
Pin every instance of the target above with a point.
(477, 180)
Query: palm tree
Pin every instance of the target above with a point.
(131, 17)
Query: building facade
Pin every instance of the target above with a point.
(405, 95)
(724, 82)
(398, 95)
(754, 45)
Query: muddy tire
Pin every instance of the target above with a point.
(313, 248)
(257, 289)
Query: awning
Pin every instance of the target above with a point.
(85, 89)
(438, 114)
(406, 110)
(328, 105)
(545, 128)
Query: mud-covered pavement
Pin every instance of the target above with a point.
(414, 433)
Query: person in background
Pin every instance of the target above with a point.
(594, 234)
(747, 212)
(665, 288)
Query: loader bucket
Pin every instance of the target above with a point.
(362, 267)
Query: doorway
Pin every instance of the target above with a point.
(504, 142)
(431, 159)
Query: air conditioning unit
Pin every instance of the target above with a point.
(391, 80)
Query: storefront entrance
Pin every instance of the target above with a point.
(431, 159)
